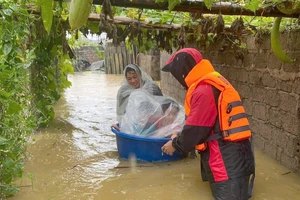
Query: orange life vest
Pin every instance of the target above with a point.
(233, 121)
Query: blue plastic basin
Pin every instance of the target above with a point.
(143, 148)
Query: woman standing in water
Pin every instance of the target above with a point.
(134, 78)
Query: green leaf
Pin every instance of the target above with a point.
(7, 12)
(172, 4)
(165, 19)
(208, 3)
(98, 9)
(54, 50)
(3, 141)
(13, 107)
(94, 27)
(47, 14)
(7, 48)
(252, 5)
(4, 95)
(6, 75)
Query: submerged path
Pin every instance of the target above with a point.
(76, 157)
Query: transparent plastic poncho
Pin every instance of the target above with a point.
(146, 83)
(152, 116)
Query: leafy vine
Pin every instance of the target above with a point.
(33, 68)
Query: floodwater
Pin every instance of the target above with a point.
(76, 157)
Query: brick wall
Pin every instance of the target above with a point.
(87, 53)
(270, 91)
(150, 63)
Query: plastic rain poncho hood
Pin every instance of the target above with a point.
(146, 83)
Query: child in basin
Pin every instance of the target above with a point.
(172, 120)
(142, 112)
(151, 116)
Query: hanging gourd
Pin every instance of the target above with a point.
(79, 11)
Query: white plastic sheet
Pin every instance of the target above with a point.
(146, 83)
(152, 116)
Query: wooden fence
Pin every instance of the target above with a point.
(116, 58)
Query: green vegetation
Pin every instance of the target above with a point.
(198, 29)
(33, 68)
(34, 56)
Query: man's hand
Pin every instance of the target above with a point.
(174, 135)
(168, 148)
(115, 126)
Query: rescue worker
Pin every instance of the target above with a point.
(216, 126)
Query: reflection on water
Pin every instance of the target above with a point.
(76, 157)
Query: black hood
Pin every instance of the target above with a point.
(181, 63)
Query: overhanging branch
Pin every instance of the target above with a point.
(225, 8)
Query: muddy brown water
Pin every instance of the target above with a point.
(76, 157)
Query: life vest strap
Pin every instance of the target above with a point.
(232, 105)
(226, 133)
(236, 117)
(215, 136)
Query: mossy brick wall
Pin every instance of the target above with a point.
(87, 53)
(150, 63)
(270, 91)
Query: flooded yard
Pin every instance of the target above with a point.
(76, 157)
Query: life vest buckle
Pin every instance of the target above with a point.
(226, 133)
(229, 109)
(230, 121)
